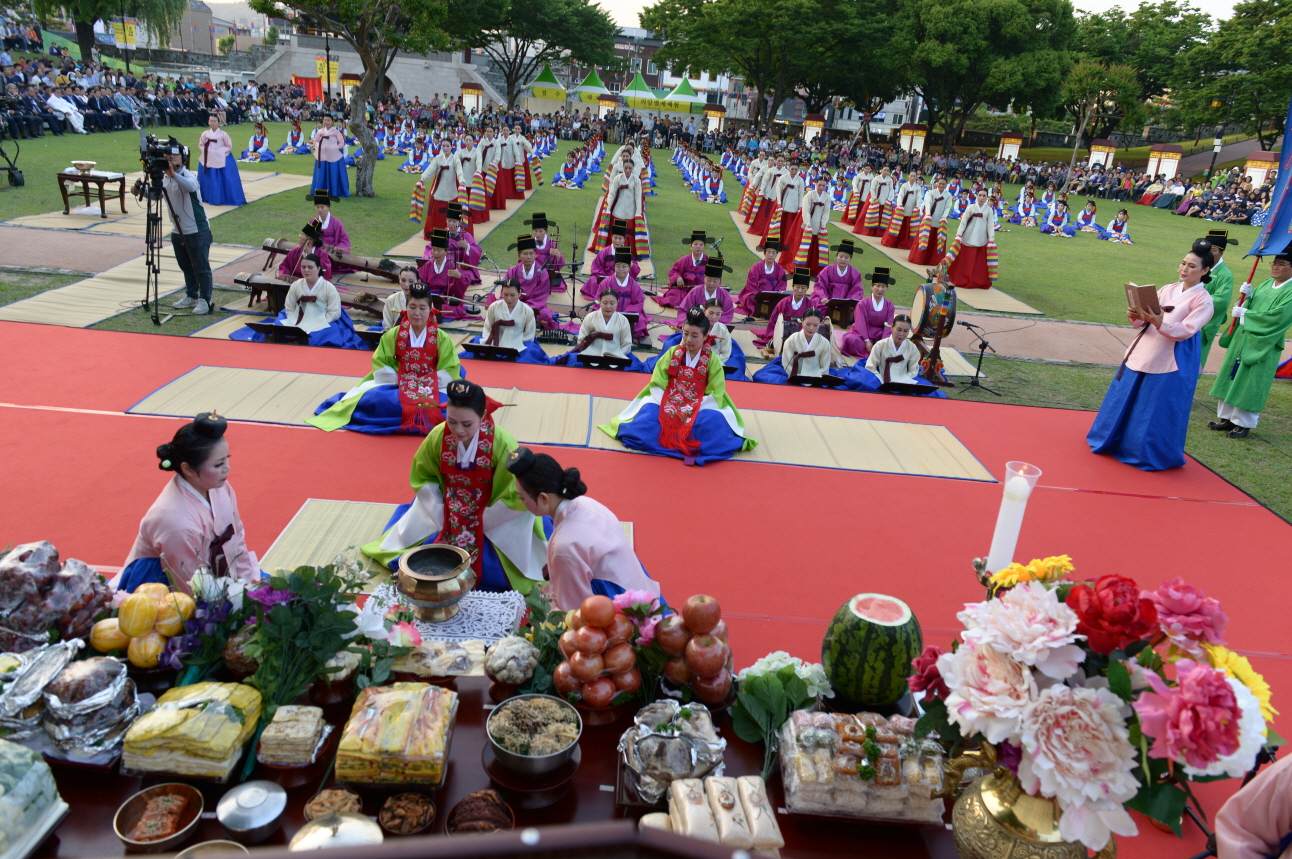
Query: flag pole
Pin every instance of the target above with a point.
(1243, 297)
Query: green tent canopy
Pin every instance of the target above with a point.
(638, 89)
(591, 85)
(684, 93)
(547, 86)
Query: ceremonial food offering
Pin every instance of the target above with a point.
(733, 812)
(534, 734)
(347, 829)
(701, 659)
(670, 741)
(332, 802)
(406, 813)
(159, 818)
(398, 734)
(292, 736)
(38, 595)
(27, 793)
(483, 811)
(868, 648)
(198, 730)
(599, 659)
(434, 579)
(512, 661)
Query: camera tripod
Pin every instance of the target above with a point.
(983, 346)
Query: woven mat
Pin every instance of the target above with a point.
(544, 418)
(822, 441)
(242, 394)
(115, 291)
(321, 530)
(415, 245)
(223, 328)
(751, 241)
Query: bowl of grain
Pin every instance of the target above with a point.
(533, 734)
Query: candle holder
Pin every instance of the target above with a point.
(1020, 480)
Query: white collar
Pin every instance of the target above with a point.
(695, 261)
(196, 494)
(528, 273)
(686, 356)
(877, 302)
(510, 311)
(439, 267)
(796, 303)
(537, 246)
(842, 270)
(624, 282)
(768, 267)
(326, 221)
(467, 455)
(416, 340)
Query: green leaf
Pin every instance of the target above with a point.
(1162, 802)
(757, 712)
(1272, 738)
(1119, 680)
(744, 726)
(934, 719)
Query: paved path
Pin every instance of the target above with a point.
(61, 249)
(1192, 165)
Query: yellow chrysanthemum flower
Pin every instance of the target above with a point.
(1044, 570)
(1240, 669)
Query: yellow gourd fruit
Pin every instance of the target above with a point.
(107, 636)
(137, 615)
(145, 650)
(156, 590)
(169, 620)
(185, 603)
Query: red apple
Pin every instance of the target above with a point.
(630, 681)
(701, 613)
(597, 610)
(600, 692)
(566, 644)
(564, 681)
(590, 639)
(706, 655)
(619, 658)
(720, 631)
(677, 672)
(672, 635)
(586, 666)
(711, 690)
(619, 631)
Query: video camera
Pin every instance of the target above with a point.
(153, 154)
(8, 102)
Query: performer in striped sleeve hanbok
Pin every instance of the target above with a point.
(971, 260)
(931, 241)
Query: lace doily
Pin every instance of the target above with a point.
(487, 617)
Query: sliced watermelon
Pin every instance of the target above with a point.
(868, 649)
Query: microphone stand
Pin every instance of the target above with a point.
(983, 346)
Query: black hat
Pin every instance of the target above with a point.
(847, 246)
(440, 238)
(802, 274)
(525, 243)
(453, 211)
(696, 236)
(1285, 254)
(539, 221)
(1220, 238)
(623, 255)
(772, 244)
(618, 227)
(321, 197)
(881, 275)
(312, 231)
(714, 267)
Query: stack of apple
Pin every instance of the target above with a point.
(697, 641)
(599, 658)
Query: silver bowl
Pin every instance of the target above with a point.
(212, 848)
(133, 809)
(532, 764)
(251, 812)
(347, 829)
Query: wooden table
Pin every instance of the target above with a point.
(95, 797)
(98, 178)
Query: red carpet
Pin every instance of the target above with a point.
(756, 536)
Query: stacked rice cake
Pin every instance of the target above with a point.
(198, 730)
(292, 736)
(27, 789)
(397, 734)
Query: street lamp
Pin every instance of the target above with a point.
(1219, 142)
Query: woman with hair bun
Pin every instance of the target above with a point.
(684, 411)
(467, 498)
(194, 522)
(588, 552)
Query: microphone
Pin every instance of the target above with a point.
(967, 324)
(714, 246)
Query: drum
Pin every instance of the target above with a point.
(933, 303)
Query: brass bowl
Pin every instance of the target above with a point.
(133, 809)
(84, 166)
(434, 579)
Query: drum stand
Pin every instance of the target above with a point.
(983, 346)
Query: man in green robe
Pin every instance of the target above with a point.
(1221, 289)
(1253, 349)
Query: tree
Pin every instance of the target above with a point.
(521, 36)
(226, 44)
(376, 32)
(1245, 69)
(271, 35)
(1151, 40)
(961, 54)
(160, 18)
(1093, 92)
(863, 75)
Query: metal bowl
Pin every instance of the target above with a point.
(347, 829)
(532, 764)
(84, 166)
(133, 809)
(434, 579)
(251, 812)
(212, 848)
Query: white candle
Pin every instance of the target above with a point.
(1009, 521)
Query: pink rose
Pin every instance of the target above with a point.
(1187, 615)
(627, 599)
(927, 678)
(647, 627)
(1194, 722)
(404, 634)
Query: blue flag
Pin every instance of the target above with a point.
(1276, 232)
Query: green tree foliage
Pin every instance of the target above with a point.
(159, 17)
(521, 36)
(1151, 40)
(1097, 96)
(1246, 66)
(271, 35)
(226, 44)
(961, 54)
(863, 75)
(376, 32)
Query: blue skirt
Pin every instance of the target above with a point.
(772, 373)
(736, 359)
(531, 354)
(858, 378)
(1144, 417)
(332, 177)
(492, 576)
(378, 411)
(266, 155)
(141, 571)
(338, 335)
(222, 186)
(710, 429)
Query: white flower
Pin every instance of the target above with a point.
(811, 673)
(1251, 736)
(1028, 623)
(1076, 749)
(988, 691)
(769, 664)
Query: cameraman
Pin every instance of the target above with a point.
(191, 232)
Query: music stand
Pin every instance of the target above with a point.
(906, 388)
(765, 303)
(841, 312)
(604, 362)
(485, 352)
(280, 333)
(368, 335)
(826, 381)
(632, 319)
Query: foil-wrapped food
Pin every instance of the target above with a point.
(670, 741)
(22, 705)
(38, 594)
(90, 705)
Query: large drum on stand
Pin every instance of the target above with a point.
(932, 309)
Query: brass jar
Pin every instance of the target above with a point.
(434, 579)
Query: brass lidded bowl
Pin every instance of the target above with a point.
(434, 579)
(133, 809)
(84, 166)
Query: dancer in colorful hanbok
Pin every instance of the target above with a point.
(907, 199)
(1117, 231)
(872, 319)
(813, 237)
(877, 196)
(1088, 219)
(930, 243)
(258, 148)
(971, 260)
(296, 144)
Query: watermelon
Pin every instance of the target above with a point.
(868, 649)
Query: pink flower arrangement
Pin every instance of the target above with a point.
(988, 691)
(1196, 720)
(1029, 623)
(926, 677)
(1187, 615)
(268, 597)
(404, 634)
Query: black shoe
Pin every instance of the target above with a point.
(1222, 426)
(1239, 432)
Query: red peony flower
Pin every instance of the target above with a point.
(1111, 613)
(927, 678)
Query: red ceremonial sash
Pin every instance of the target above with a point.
(300, 306)
(467, 492)
(419, 379)
(680, 405)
